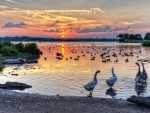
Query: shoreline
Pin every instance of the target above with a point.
(15, 102)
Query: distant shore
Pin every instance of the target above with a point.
(13, 102)
(42, 39)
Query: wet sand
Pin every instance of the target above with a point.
(13, 102)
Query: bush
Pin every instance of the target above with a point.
(1, 66)
(20, 47)
(7, 43)
(1, 45)
(8, 51)
(32, 48)
(146, 43)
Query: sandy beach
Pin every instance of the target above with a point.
(14, 102)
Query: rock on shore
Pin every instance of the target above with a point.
(14, 86)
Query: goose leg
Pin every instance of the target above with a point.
(90, 95)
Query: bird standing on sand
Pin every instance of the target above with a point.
(144, 74)
(138, 79)
(112, 80)
(91, 85)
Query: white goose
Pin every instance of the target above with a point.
(139, 79)
(144, 74)
(112, 80)
(91, 85)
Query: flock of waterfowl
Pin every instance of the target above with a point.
(140, 78)
(107, 55)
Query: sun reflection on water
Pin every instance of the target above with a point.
(62, 48)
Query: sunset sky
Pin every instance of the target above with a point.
(73, 18)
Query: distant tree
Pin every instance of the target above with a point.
(138, 37)
(126, 36)
(131, 37)
(121, 37)
(147, 36)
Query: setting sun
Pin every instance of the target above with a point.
(62, 36)
(63, 33)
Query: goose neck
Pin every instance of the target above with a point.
(143, 67)
(95, 76)
(113, 72)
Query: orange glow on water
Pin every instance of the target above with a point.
(62, 48)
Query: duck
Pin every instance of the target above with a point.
(91, 85)
(45, 58)
(112, 80)
(144, 74)
(138, 78)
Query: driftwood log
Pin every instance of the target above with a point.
(14, 86)
(142, 101)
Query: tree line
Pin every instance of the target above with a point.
(10, 49)
(126, 37)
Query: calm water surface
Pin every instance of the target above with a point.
(68, 76)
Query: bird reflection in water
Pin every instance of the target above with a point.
(140, 90)
(111, 92)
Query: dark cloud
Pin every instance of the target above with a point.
(96, 29)
(119, 29)
(52, 30)
(72, 28)
(12, 25)
(69, 25)
(78, 29)
(101, 29)
(128, 28)
(54, 24)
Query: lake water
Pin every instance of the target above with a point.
(68, 76)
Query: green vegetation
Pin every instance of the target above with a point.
(10, 50)
(146, 43)
(30, 48)
(129, 37)
(1, 66)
